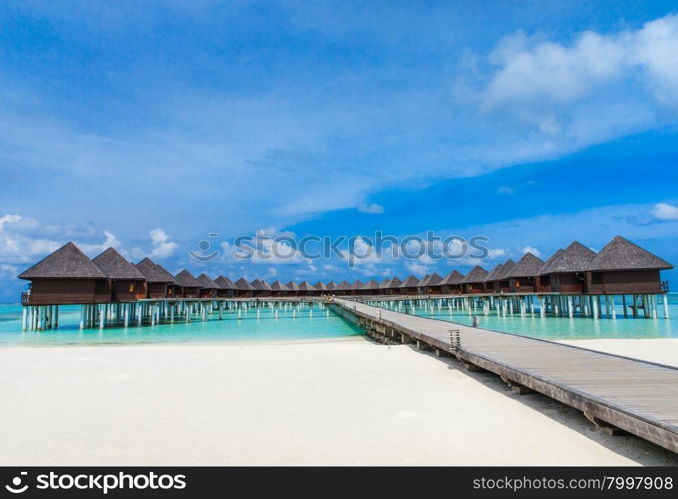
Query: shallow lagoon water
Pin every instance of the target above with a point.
(564, 328)
(307, 323)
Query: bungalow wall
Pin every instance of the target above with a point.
(452, 289)
(225, 293)
(156, 290)
(208, 293)
(624, 282)
(572, 283)
(126, 290)
(474, 288)
(543, 284)
(68, 291)
(523, 285)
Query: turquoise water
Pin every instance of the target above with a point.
(562, 328)
(308, 323)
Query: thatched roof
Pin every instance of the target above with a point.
(528, 266)
(305, 286)
(422, 282)
(278, 286)
(331, 286)
(261, 285)
(494, 273)
(206, 282)
(225, 283)
(505, 270)
(410, 282)
(395, 283)
(114, 266)
(358, 284)
(434, 280)
(151, 272)
(372, 284)
(575, 258)
(622, 254)
(169, 278)
(292, 286)
(477, 274)
(550, 259)
(385, 283)
(454, 277)
(244, 285)
(344, 286)
(186, 280)
(68, 262)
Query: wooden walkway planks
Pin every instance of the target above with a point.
(637, 396)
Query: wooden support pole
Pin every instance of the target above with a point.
(666, 306)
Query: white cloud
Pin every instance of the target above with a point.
(110, 241)
(504, 189)
(272, 271)
(665, 211)
(162, 246)
(416, 268)
(372, 209)
(530, 249)
(8, 271)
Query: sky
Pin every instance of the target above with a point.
(148, 126)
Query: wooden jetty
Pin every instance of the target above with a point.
(614, 392)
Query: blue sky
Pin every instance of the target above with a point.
(148, 126)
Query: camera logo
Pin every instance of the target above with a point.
(15, 487)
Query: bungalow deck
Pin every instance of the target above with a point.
(614, 392)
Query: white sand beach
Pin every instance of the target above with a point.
(335, 402)
(660, 350)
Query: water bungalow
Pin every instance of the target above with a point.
(331, 287)
(566, 270)
(320, 286)
(172, 285)
(344, 288)
(261, 288)
(187, 285)
(227, 288)
(422, 284)
(492, 279)
(156, 281)
(245, 289)
(305, 289)
(451, 284)
(409, 286)
(622, 267)
(279, 289)
(357, 288)
(208, 287)
(474, 282)
(293, 288)
(523, 275)
(64, 277)
(124, 281)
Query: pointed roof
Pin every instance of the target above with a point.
(151, 272)
(278, 286)
(506, 268)
(622, 254)
(206, 282)
(358, 284)
(372, 284)
(292, 286)
(528, 266)
(575, 258)
(394, 283)
(385, 283)
(434, 280)
(186, 280)
(477, 274)
(331, 286)
(243, 285)
(344, 286)
(410, 282)
(166, 274)
(114, 266)
(320, 286)
(261, 285)
(550, 260)
(225, 283)
(454, 277)
(305, 286)
(68, 262)
(422, 282)
(494, 273)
